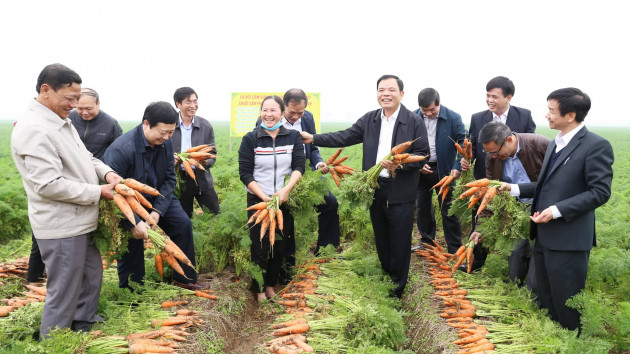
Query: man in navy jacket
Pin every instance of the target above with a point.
(145, 154)
(392, 210)
(444, 128)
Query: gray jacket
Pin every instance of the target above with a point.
(60, 176)
(202, 133)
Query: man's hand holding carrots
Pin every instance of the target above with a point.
(140, 231)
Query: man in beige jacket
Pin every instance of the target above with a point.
(61, 179)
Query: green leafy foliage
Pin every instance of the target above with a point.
(13, 211)
(508, 224)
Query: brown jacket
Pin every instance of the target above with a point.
(531, 154)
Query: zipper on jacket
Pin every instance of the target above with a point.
(87, 124)
(275, 163)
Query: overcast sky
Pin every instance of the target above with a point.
(136, 52)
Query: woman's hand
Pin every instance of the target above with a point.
(283, 195)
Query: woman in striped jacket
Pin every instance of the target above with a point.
(267, 155)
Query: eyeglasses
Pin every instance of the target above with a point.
(494, 154)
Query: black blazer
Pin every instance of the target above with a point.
(367, 129)
(578, 183)
(519, 120)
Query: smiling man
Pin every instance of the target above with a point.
(192, 130)
(575, 179)
(392, 210)
(61, 179)
(96, 128)
(145, 154)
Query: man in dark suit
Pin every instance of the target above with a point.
(444, 127)
(145, 153)
(192, 130)
(499, 93)
(575, 179)
(392, 210)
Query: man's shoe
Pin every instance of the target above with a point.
(191, 286)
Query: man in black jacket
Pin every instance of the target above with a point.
(96, 128)
(192, 130)
(145, 154)
(393, 208)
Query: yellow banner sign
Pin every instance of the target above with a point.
(246, 110)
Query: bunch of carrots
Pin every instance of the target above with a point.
(466, 150)
(457, 310)
(336, 169)
(269, 216)
(130, 200)
(445, 186)
(14, 269)
(396, 155)
(482, 190)
(193, 157)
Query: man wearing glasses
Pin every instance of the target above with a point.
(443, 127)
(499, 93)
(514, 158)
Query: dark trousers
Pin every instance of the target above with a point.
(393, 227)
(560, 275)
(426, 213)
(522, 266)
(270, 261)
(204, 192)
(35, 263)
(328, 232)
(176, 224)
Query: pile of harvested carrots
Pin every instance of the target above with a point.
(336, 169)
(193, 157)
(14, 269)
(482, 190)
(34, 294)
(457, 310)
(289, 335)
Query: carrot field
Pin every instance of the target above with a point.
(342, 296)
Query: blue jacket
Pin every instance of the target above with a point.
(127, 157)
(311, 151)
(449, 126)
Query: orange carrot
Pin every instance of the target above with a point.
(272, 232)
(167, 304)
(451, 292)
(468, 193)
(305, 347)
(413, 158)
(399, 157)
(124, 190)
(441, 182)
(437, 245)
(206, 295)
(41, 290)
(469, 259)
(460, 260)
(487, 198)
(477, 196)
(186, 312)
(342, 170)
(459, 149)
(143, 200)
(140, 187)
(262, 216)
(197, 148)
(171, 321)
(298, 328)
(470, 339)
(196, 164)
(140, 210)
(335, 178)
(137, 348)
(447, 188)
(253, 217)
(446, 183)
(333, 156)
(173, 263)
(339, 161)
(398, 149)
(122, 204)
(280, 219)
(288, 323)
(5, 310)
(258, 206)
(159, 265)
(174, 250)
(201, 155)
(478, 183)
(189, 169)
(263, 228)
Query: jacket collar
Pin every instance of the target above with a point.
(403, 115)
